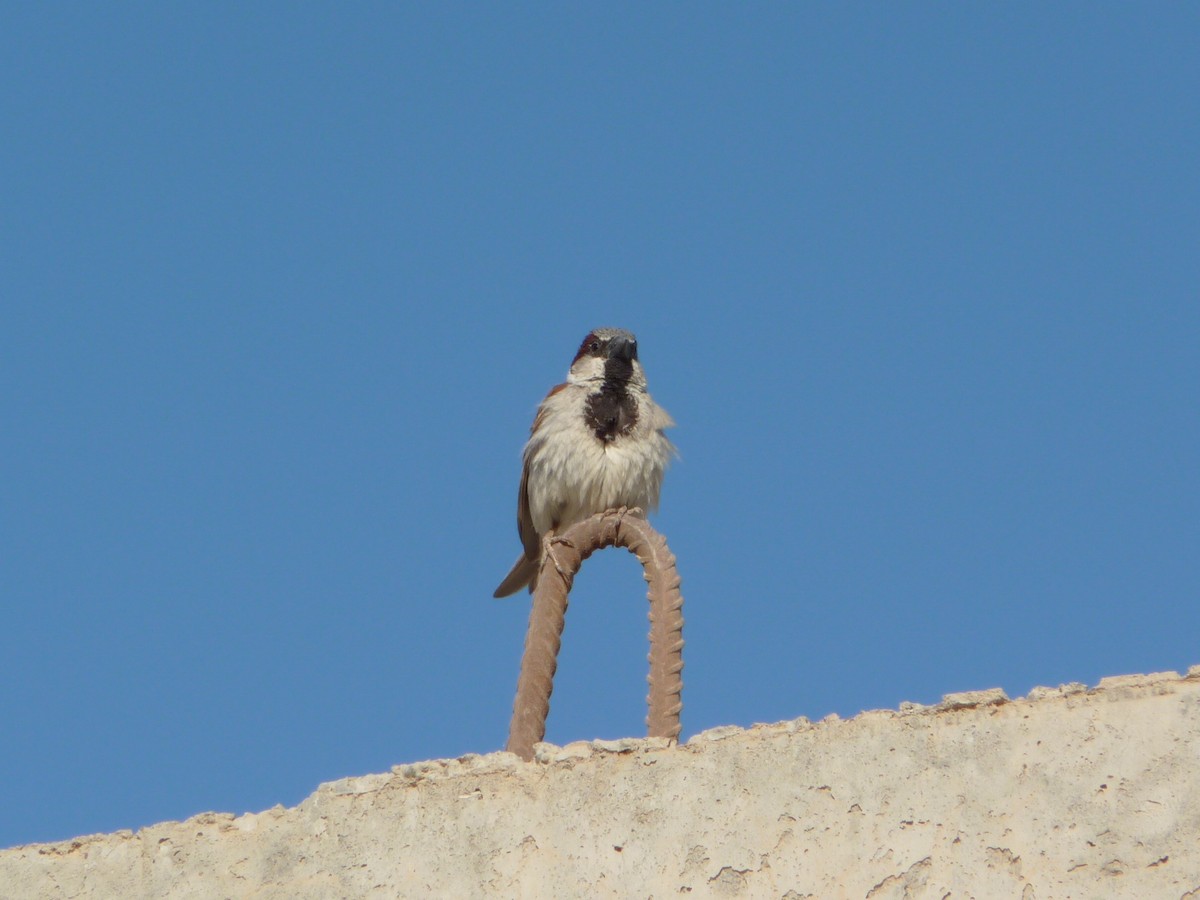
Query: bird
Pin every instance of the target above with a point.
(597, 443)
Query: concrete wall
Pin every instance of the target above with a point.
(1069, 792)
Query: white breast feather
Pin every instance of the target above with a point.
(573, 475)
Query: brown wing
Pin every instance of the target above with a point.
(530, 539)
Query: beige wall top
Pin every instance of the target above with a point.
(1069, 792)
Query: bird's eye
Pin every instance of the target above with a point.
(594, 346)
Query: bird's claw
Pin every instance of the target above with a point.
(635, 511)
(548, 543)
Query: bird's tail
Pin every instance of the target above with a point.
(524, 572)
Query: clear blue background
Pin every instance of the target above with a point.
(282, 286)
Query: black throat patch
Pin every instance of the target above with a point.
(612, 411)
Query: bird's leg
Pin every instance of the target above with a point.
(549, 539)
(636, 511)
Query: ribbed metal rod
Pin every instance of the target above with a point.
(562, 557)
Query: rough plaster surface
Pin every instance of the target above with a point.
(1070, 792)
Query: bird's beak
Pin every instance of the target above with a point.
(622, 348)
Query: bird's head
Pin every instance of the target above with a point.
(608, 354)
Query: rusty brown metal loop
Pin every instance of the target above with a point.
(562, 557)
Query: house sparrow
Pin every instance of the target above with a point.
(597, 443)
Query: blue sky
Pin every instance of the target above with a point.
(283, 286)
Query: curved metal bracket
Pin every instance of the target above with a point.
(562, 557)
